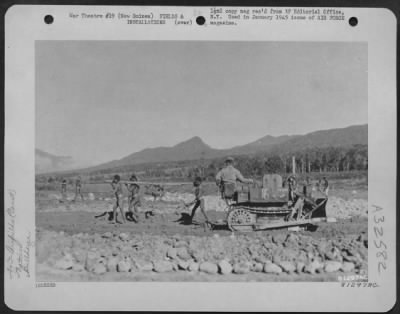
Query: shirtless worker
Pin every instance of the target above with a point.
(324, 186)
(64, 189)
(117, 191)
(133, 199)
(198, 202)
(78, 187)
(296, 202)
(227, 177)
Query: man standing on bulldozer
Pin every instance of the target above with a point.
(227, 177)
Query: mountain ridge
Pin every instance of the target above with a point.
(195, 148)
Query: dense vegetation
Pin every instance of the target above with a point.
(311, 160)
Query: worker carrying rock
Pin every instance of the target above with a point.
(227, 177)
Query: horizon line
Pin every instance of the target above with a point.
(258, 138)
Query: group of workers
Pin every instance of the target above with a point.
(133, 198)
(78, 189)
(226, 180)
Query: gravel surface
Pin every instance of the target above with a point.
(73, 245)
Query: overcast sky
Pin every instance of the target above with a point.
(102, 100)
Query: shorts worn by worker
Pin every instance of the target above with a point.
(134, 201)
(119, 199)
(199, 201)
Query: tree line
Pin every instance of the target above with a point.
(310, 160)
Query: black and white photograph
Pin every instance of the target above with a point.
(201, 161)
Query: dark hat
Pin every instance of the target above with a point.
(117, 177)
(228, 159)
(133, 177)
(292, 178)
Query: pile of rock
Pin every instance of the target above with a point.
(124, 252)
(340, 208)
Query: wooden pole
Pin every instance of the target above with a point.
(144, 182)
(293, 164)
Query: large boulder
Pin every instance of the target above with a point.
(198, 255)
(175, 265)
(225, 267)
(347, 267)
(183, 265)
(92, 258)
(241, 268)
(333, 254)
(208, 267)
(194, 267)
(172, 253)
(112, 263)
(287, 266)
(300, 267)
(99, 269)
(183, 254)
(261, 259)
(271, 268)
(124, 236)
(78, 267)
(257, 267)
(332, 266)
(313, 267)
(79, 255)
(279, 238)
(124, 266)
(163, 266)
(146, 266)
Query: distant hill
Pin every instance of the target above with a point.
(195, 148)
(353, 135)
(46, 162)
(191, 149)
(263, 144)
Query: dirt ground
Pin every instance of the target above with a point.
(73, 245)
(171, 224)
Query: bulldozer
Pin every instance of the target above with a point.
(270, 205)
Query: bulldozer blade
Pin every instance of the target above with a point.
(282, 224)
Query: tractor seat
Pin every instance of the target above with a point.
(228, 191)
